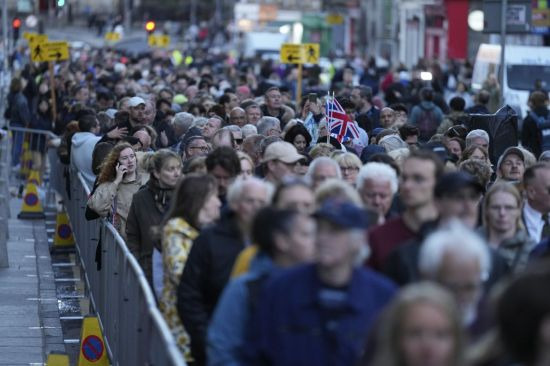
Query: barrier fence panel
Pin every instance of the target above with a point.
(4, 198)
(134, 330)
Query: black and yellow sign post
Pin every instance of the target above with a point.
(50, 52)
(299, 54)
(112, 36)
(161, 41)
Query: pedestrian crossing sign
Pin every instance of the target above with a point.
(49, 51)
(306, 53)
(158, 41)
(112, 36)
(35, 37)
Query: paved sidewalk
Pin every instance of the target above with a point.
(29, 317)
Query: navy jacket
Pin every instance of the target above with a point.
(293, 327)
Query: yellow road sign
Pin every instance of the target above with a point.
(49, 51)
(335, 19)
(158, 40)
(35, 37)
(112, 36)
(307, 53)
(312, 52)
(28, 35)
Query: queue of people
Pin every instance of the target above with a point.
(268, 238)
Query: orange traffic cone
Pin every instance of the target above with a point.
(63, 231)
(32, 208)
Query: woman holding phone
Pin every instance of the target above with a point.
(117, 182)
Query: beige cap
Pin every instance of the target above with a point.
(282, 151)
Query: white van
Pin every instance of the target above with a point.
(266, 44)
(525, 65)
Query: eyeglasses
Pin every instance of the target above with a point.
(197, 148)
(349, 169)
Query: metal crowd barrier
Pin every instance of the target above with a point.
(135, 332)
(4, 197)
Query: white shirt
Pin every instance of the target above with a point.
(533, 222)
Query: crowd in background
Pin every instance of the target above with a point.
(268, 239)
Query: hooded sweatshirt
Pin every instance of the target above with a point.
(83, 144)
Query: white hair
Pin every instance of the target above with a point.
(233, 128)
(321, 161)
(392, 142)
(199, 122)
(240, 184)
(378, 172)
(399, 155)
(184, 120)
(474, 134)
(457, 239)
(266, 123)
(248, 130)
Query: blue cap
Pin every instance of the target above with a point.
(369, 151)
(342, 213)
(376, 131)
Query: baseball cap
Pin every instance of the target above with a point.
(283, 151)
(111, 113)
(342, 213)
(179, 99)
(135, 101)
(370, 150)
(438, 148)
(512, 150)
(451, 183)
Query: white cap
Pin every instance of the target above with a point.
(135, 101)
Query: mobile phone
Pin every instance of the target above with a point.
(312, 97)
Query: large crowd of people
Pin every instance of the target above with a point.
(269, 239)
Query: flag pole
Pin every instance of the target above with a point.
(329, 118)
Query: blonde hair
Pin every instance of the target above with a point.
(245, 156)
(389, 351)
(348, 159)
(506, 187)
(321, 149)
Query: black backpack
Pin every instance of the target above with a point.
(502, 127)
(427, 123)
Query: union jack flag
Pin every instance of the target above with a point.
(338, 122)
